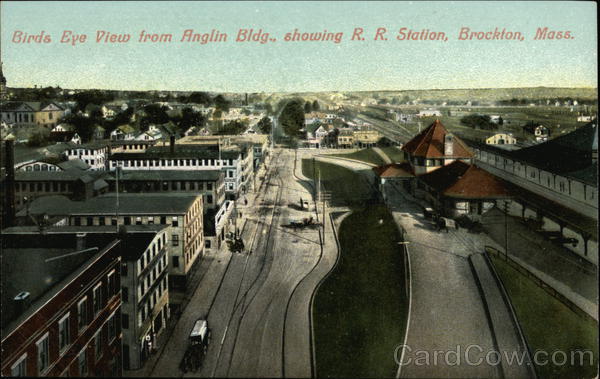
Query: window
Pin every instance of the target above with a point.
(90, 221)
(125, 320)
(77, 221)
(82, 362)
(209, 186)
(175, 239)
(127, 220)
(97, 299)
(42, 351)
(138, 221)
(19, 368)
(102, 220)
(98, 344)
(113, 221)
(163, 220)
(124, 269)
(112, 283)
(63, 333)
(174, 221)
(112, 328)
(209, 199)
(150, 220)
(207, 243)
(175, 261)
(82, 315)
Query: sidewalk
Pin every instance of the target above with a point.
(573, 277)
(197, 276)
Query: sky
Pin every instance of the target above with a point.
(303, 66)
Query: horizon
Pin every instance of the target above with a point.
(326, 66)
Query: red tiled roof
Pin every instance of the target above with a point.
(461, 180)
(430, 144)
(394, 170)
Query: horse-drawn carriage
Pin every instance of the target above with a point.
(198, 341)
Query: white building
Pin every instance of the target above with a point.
(501, 139)
(94, 154)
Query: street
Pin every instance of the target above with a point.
(258, 303)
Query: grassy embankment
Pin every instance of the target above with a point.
(550, 326)
(360, 310)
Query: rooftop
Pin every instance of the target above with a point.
(170, 203)
(159, 175)
(181, 152)
(394, 170)
(462, 180)
(430, 144)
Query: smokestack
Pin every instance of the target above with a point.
(448, 144)
(9, 188)
(172, 144)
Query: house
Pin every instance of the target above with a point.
(345, 139)
(182, 212)
(429, 113)
(152, 134)
(18, 113)
(61, 312)
(585, 118)
(63, 128)
(433, 148)
(366, 138)
(123, 132)
(540, 132)
(501, 139)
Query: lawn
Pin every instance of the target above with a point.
(550, 326)
(364, 155)
(346, 186)
(394, 153)
(360, 310)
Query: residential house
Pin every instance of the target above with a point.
(346, 138)
(123, 132)
(366, 138)
(540, 132)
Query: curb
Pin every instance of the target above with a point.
(409, 271)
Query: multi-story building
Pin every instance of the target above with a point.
(346, 139)
(61, 305)
(209, 183)
(182, 212)
(31, 113)
(235, 161)
(366, 138)
(94, 154)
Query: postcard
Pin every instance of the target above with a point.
(303, 189)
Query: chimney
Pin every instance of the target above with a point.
(80, 241)
(21, 302)
(9, 188)
(172, 144)
(448, 144)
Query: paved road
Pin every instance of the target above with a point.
(258, 305)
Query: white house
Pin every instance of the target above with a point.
(429, 113)
(123, 132)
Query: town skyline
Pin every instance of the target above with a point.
(300, 66)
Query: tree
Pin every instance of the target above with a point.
(477, 121)
(91, 97)
(83, 126)
(316, 106)
(292, 118)
(222, 103)
(265, 125)
(190, 117)
(156, 114)
(307, 107)
(231, 128)
(199, 98)
(500, 121)
(269, 108)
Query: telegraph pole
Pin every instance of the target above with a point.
(506, 230)
(117, 188)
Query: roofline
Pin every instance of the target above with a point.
(48, 296)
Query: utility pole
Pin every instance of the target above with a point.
(506, 230)
(117, 188)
